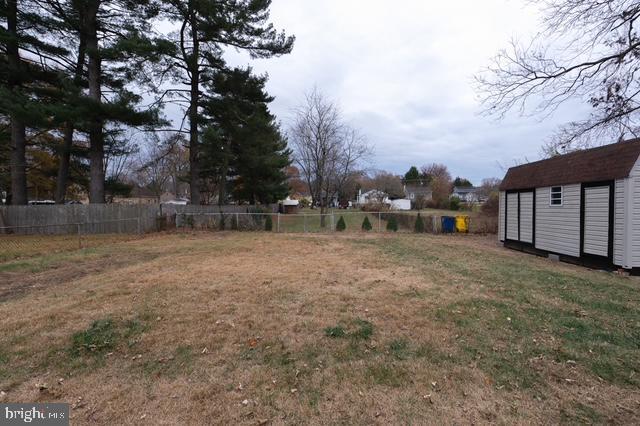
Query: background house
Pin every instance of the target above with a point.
(418, 195)
(466, 194)
(379, 197)
(415, 192)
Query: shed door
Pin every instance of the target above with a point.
(526, 217)
(596, 220)
(512, 216)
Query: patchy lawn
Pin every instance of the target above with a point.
(258, 328)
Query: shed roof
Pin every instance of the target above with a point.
(608, 162)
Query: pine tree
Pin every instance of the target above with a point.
(412, 176)
(206, 27)
(419, 227)
(366, 224)
(25, 79)
(243, 146)
(341, 225)
(392, 224)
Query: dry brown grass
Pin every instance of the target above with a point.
(230, 328)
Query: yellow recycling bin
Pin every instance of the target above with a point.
(462, 224)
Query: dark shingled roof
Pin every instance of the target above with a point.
(604, 163)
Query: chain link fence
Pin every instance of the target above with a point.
(339, 221)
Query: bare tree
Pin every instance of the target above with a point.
(161, 164)
(589, 50)
(326, 150)
(386, 182)
(439, 179)
(489, 186)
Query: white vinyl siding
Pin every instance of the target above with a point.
(526, 217)
(501, 213)
(512, 217)
(596, 220)
(618, 220)
(558, 227)
(634, 182)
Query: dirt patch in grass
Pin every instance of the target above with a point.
(18, 278)
(254, 328)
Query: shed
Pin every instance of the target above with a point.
(582, 207)
(289, 206)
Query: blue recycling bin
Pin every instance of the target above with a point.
(448, 224)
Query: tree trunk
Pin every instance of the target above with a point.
(67, 139)
(222, 189)
(63, 163)
(96, 139)
(18, 133)
(194, 181)
(18, 163)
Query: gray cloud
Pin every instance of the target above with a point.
(403, 76)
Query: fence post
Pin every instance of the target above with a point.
(304, 218)
(332, 223)
(139, 226)
(379, 222)
(79, 237)
(237, 221)
(278, 227)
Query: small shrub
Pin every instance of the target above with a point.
(392, 224)
(454, 203)
(374, 207)
(222, 224)
(419, 227)
(366, 224)
(234, 223)
(268, 224)
(341, 226)
(492, 205)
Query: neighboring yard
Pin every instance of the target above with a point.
(257, 328)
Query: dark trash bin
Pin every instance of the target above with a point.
(448, 224)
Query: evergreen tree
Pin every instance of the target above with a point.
(25, 77)
(243, 145)
(412, 176)
(341, 225)
(419, 226)
(366, 224)
(206, 26)
(392, 224)
(462, 182)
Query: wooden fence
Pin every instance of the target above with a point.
(94, 218)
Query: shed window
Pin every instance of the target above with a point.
(555, 198)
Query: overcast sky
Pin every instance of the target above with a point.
(402, 74)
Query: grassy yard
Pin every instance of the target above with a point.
(257, 328)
